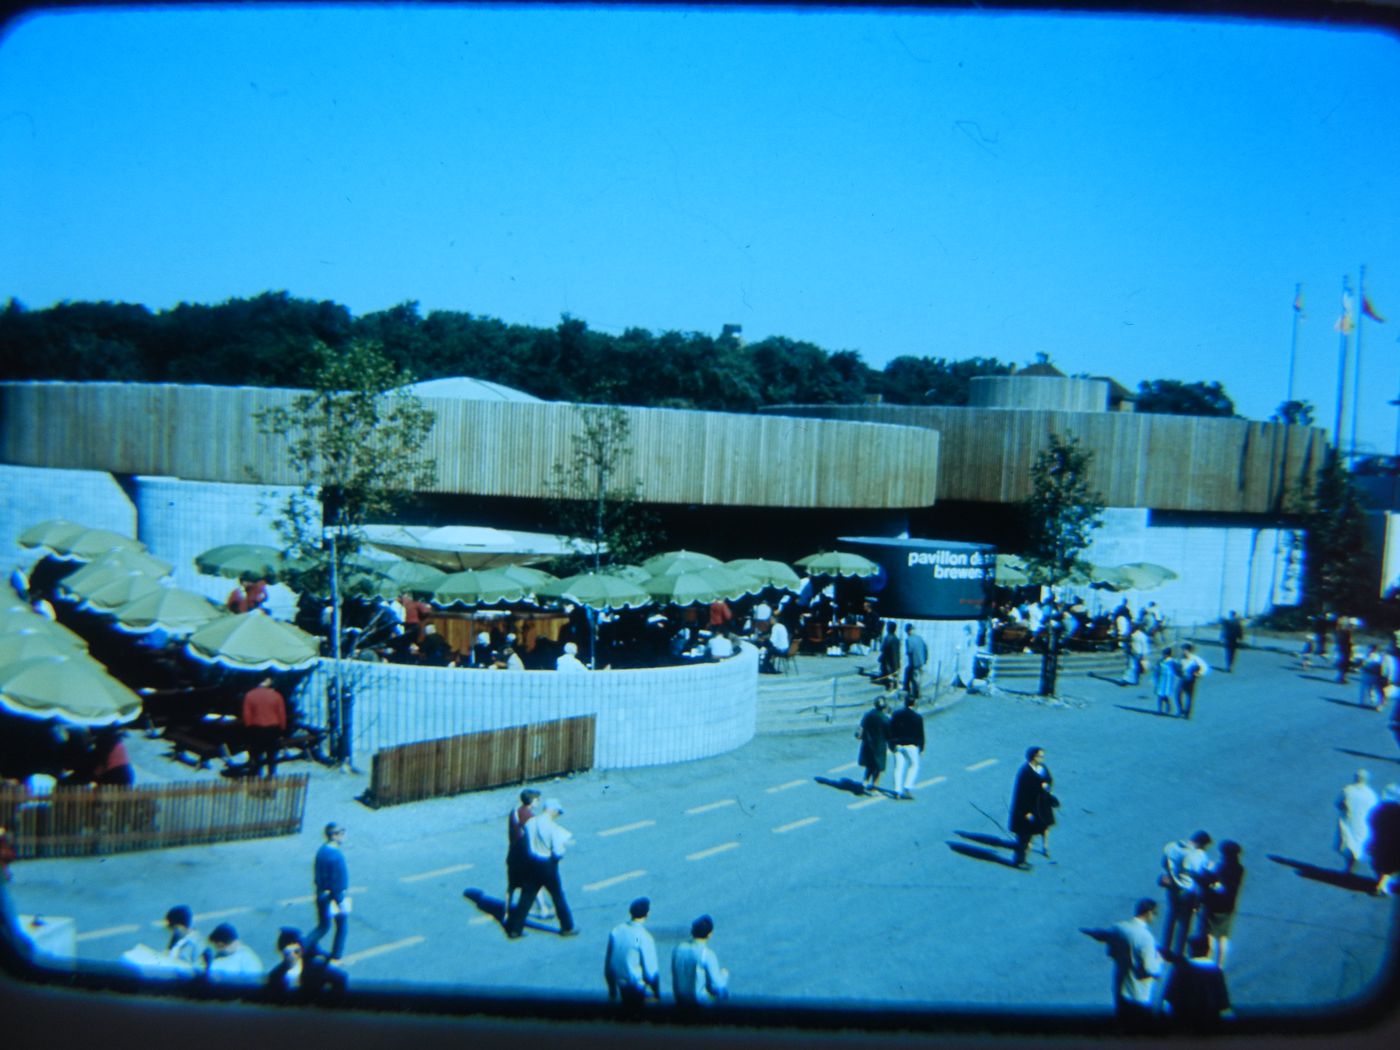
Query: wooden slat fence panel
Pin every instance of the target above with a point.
(473, 761)
(85, 821)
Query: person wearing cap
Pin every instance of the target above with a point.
(546, 841)
(183, 948)
(228, 960)
(1184, 867)
(304, 973)
(568, 660)
(517, 852)
(697, 979)
(629, 966)
(332, 879)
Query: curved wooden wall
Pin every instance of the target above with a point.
(1191, 463)
(1038, 392)
(486, 448)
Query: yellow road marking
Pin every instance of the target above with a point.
(381, 949)
(930, 782)
(310, 898)
(842, 769)
(712, 851)
(867, 802)
(626, 827)
(981, 765)
(205, 916)
(624, 877)
(434, 874)
(110, 931)
(789, 784)
(785, 828)
(711, 805)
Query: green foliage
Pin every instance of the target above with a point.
(935, 380)
(1061, 513)
(1299, 412)
(594, 503)
(1338, 566)
(1171, 397)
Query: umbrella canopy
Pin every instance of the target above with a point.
(92, 543)
(596, 591)
(412, 577)
(703, 586)
(1011, 571)
(75, 689)
(168, 609)
(1109, 577)
(672, 562)
(1144, 575)
(31, 644)
(47, 533)
(24, 621)
(237, 560)
(479, 587)
(253, 642)
(837, 563)
(456, 548)
(769, 573)
(104, 593)
(630, 573)
(532, 578)
(119, 561)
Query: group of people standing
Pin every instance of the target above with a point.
(1368, 828)
(1175, 677)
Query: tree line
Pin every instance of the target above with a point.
(271, 339)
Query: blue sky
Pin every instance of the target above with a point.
(1133, 197)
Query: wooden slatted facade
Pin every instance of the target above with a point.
(485, 448)
(87, 821)
(1188, 463)
(474, 761)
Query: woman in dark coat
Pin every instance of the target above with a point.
(1045, 804)
(1220, 898)
(1030, 800)
(874, 736)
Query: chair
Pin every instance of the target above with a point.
(786, 663)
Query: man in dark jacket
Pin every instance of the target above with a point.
(907, 742)
(332, 878)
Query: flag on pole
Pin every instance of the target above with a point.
(1346, 323)
(1298, 302)
(1369, 310)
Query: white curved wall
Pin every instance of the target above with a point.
(645, 717)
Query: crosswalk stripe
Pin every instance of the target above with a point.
(980, 765)
(710, 805)
(866, 802)
(626, 876)
(434, 874)
(785, 828)
(110, 931)
(930, 782)
(310, 898)
(712, 851)
(626, 827)
(784, 787)
(381, 949)
(842, 769)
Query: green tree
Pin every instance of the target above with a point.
(909, 380)
(1338, 566)
(1171, 397)
(355, 441)
(1061, 514)
(1299, 412)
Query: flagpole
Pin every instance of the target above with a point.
(1293, 346)
(1356, 365)
(1341, 369)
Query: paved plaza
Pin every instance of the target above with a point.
(821, 897)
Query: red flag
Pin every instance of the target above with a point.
(1346, 323)
(1369, 310)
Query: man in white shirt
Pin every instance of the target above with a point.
(227, 960)
(546, 841)
(1136, 964)
(1184, 863)
(697, 979)
(779, 641)
(568, 660)
(630, 963)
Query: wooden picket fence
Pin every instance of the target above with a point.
(473, 761)
(83, 821)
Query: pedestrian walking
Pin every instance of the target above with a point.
(264, 718)
(906, 736)
(915, 659)
(1135, 649)
(873, 735)
(547, 842)
(1192, 669)
(1354, 807)
(697, 979)
(1220, 898)
(1196, 996)
(630, 966)
(1184, 864)
(1344, 637)
(517, 852)
(1028, 803)
(332, 879)
(1166, 676)
(1385, 840)
(1231, 638)
(889, 657)
(1370, 672)
(1136, 964)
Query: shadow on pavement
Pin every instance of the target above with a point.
(487, 905)
(1332, 876)
(1145, 711)
(844, 784)
(1102, 934)
(1319, 678)
(1347, 703)
(978, 853)
(1367, 754)
(986, 840)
